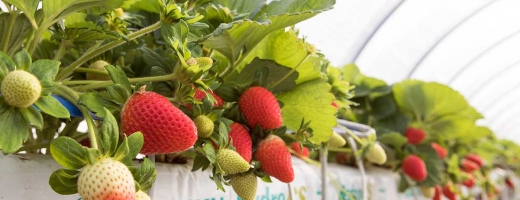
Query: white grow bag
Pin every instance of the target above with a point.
(26, 178)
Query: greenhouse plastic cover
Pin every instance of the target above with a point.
(471, 45)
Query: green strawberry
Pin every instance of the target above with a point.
(245, 185)
(231, 162)
(428, 192)
(140, 195)
(20, 88)
(336, 140)
(204, 126)
(100, 66)
(106, 179)
(376, 154)
(204, 62)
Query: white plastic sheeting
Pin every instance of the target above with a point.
(470, 45)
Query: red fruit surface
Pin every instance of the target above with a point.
(469, 166)
(510, 183)
(414, 167)
(438, 193)
(476, 159)
(441, 151)
(448, 193)
(470, 182)
(296, 147)
(334, 104)
(260, 107)
(414, 135)
(199, 95)
(275, 158)
(86, 142)
(165, 128)
(241, 140)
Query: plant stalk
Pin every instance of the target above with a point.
(68, 70)
(101, 84)
(90, 71)
(10, 26)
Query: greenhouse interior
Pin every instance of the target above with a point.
(259, 100)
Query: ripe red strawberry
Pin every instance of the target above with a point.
(86, 142)
(469, 166)
(414, 135)
(441, 151)
(470, 182)
(448, 192)
(241, 140)
(438, 193)
(302, 152)
(414, 167)
(476, 159)
(165, 128)
(510, 183)
(275, 158)
(199, 95)
(106, 179)
(260, 107)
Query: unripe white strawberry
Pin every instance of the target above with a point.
(140, 195)
(376, 154)
(20, 88)
(106, 179)
(100, 66)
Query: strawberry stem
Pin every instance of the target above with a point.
(91, 127)
(100, 84)
(68, 70)
(90, 71)
(348, 131)
(341, 150)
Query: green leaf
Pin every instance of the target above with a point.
(145, 175)
(45, 69)
(23, 60)
(383, 107)
(434, 165)
(64, 181)
(48, 87)
(53, 107)
(200, 162)
(247, 34)
(135, 142)
(92, 101)
(57, 9)
(119, 77)
(122, 151)
(32, 116)
(27, 6)
(351, 74)
(311, 101)
(69, 153)
(6, 64)
(152, 59)
(286, 49)
(78, 20)
(277, 74)
(108, 138)
(295, 6)
(118, 92)
(179, 32)
(250, 7)
(209, 150)
(19, 32)
(15, 129)
(396, 140)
